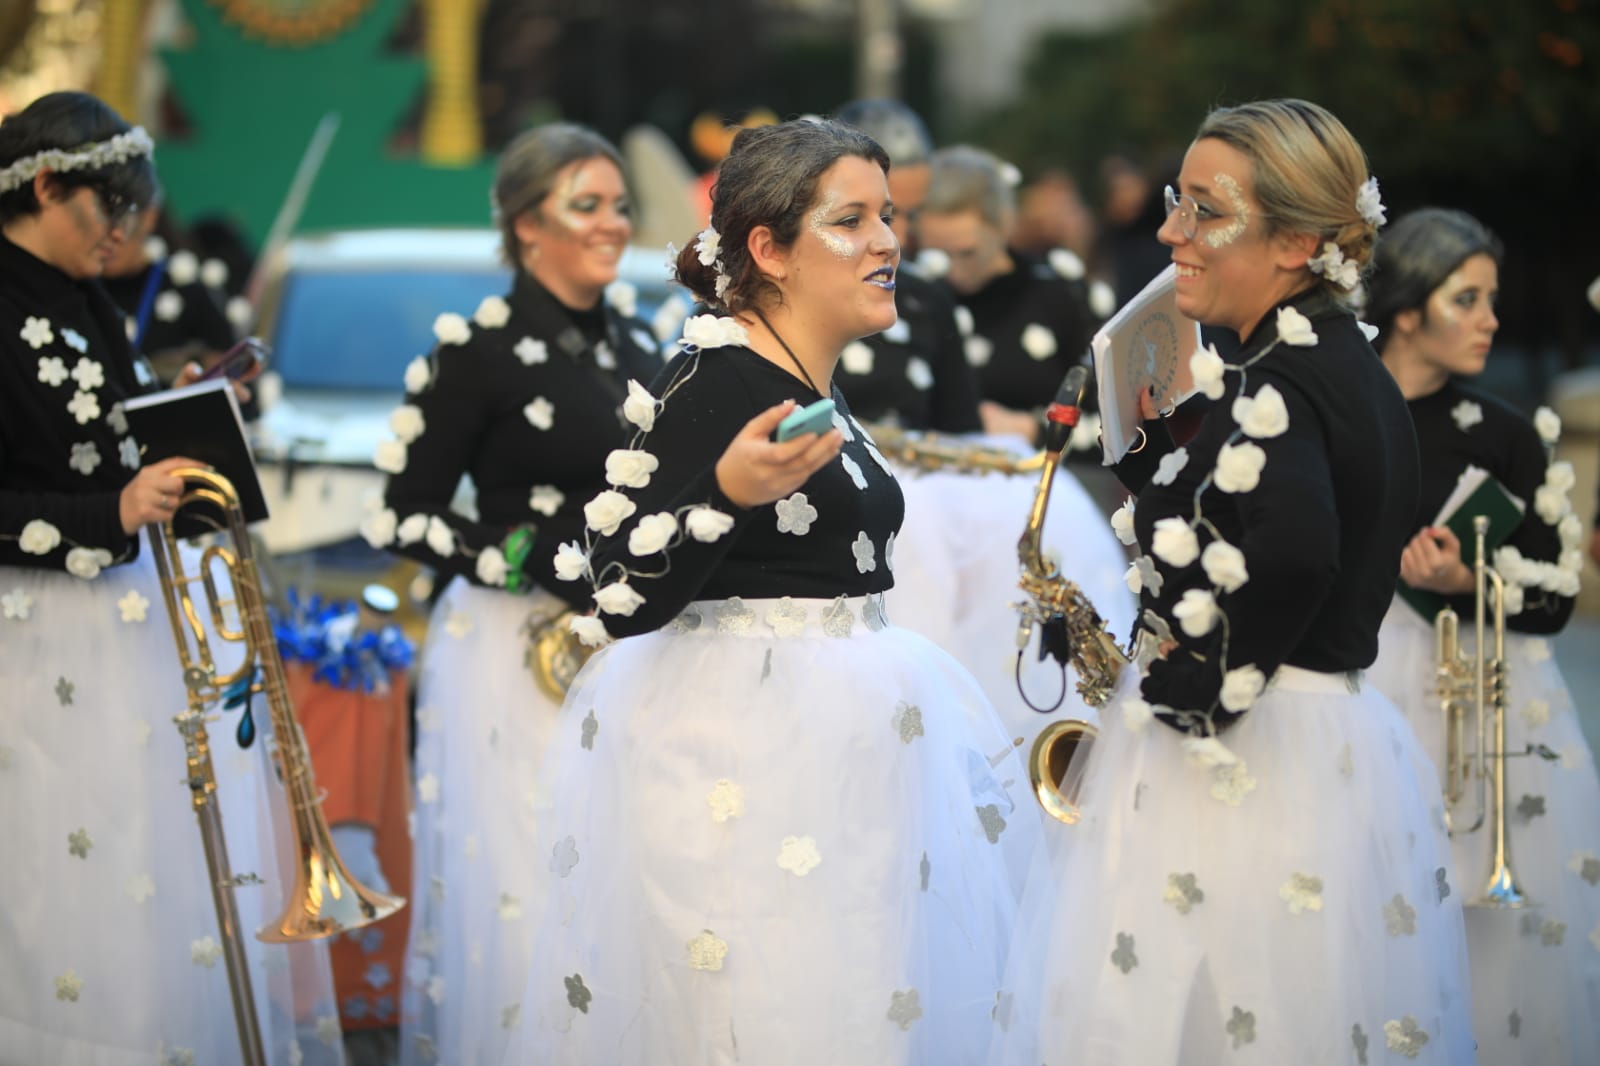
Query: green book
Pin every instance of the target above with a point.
(1477, 492)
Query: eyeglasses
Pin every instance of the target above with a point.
(119, 215)
(1192, 212)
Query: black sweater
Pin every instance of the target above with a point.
(833, 537)
(1321, 533)
(65, 467)
(482, 416)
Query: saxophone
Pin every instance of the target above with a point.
(553, 652)
(1071, 630)
(929, 451)
(325, 899)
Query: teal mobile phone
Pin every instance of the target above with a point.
(812, 418)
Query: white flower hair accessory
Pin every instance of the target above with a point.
(707, 243)
(133, 144)
(1369, 204)
(1332, 265)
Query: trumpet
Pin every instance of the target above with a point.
(1480, 680)
(1071, 630)
(324, 900)
(929, 451)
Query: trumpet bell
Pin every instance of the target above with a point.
(325, 900)
(1048, 763)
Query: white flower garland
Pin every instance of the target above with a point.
(133, 144)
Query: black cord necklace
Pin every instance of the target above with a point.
(785, 345)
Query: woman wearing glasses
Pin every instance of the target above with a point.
(1536, 974)
(1260, 869)
(109, 934)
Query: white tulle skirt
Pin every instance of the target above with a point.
(955, 582)
(773, 849)
(483, 725)
(1294, 907)
(1535, 971)
(108, 933)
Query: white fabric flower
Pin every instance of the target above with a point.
(652, 533)
(1369, 204)
(37, 332)
(1467, 414)
(451, 328)
(707, 524)
(607, 511)
(589, 630)
(1294, 329)
(1560, 476)
(39, 537)
(1208, 753)
(795, 514)
(919, 373)
(853, 468)
(1239, 467)
(87, 562)
(546, 499)
(378, 527)
(1368, 331)
(441, 538)
(128, 453)
(1122, 523)
(630, 468)
(640, 407)
(1196, 612)
(85, 457)
(1570, 530)
(16, 604)
(979, 350)
(169, 306)
(1332, 265)
(1170, 467)
(1224, 565)
(856, 358)
(52, 370)
(116, 419)
(964, 321)
(1241, 686)
(241, 313)
(413, 529)
(623, 296)
(1174, 543)
(1206, 367)
(492, 313)
(406, 422)
(84, 406)
(799, 855)
(726, 800)
(1102, 299)
(1263, 415)
(1136, 714)
(1548, 425)
(618, 598)
(389, 456)
(713, 331)
(1066, 263)
(1038, 341)
(571, 561)
(183, 268)
(899, 333)
(865, 553)
(491, 567)
(88, 373)
(1551, 503)
(133, 607)
(934, 262)
(707, 243)
(1142, 574)
(214, 273)
(418, 374)
(540, 413)
(531, 351)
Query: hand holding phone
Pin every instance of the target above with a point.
(240, 363)
(812, 418)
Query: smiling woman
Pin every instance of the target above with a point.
(778, 824)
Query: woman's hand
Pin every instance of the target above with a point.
(1432, 561)
(153, 494)
(193, 371)
(1003, 421)
(754, 471)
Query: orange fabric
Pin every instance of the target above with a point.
(358, 744)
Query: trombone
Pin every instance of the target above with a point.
(1071, 630)
(324, 900)
(1481, 680)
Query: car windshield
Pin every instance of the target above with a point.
(358, 330)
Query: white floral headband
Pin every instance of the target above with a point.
(119, 149)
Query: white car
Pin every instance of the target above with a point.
(343, 314)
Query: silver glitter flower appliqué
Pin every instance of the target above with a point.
(907, 721)
(1183, 892)
(564, 856)
(905, 1007)
(578, 994)
(734, 617)
(993, 823)
(1124, 958)
(837, 618)
(1405, 1036)
(707, 951)
(1242, 1027)
(1400, 917)
(795, 514)
(787, 618)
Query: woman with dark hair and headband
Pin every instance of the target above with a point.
(109, 933)
(1535, 972)
(778, 820)
(1259, 871)
(525, 398)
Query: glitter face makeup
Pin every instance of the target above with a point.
(1226, 235)
(1458, 323)
(575, 238)
(818, 221)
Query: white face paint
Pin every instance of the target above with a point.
(1226, 235)
(818, 224)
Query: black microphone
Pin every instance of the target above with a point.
(1063, 412)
